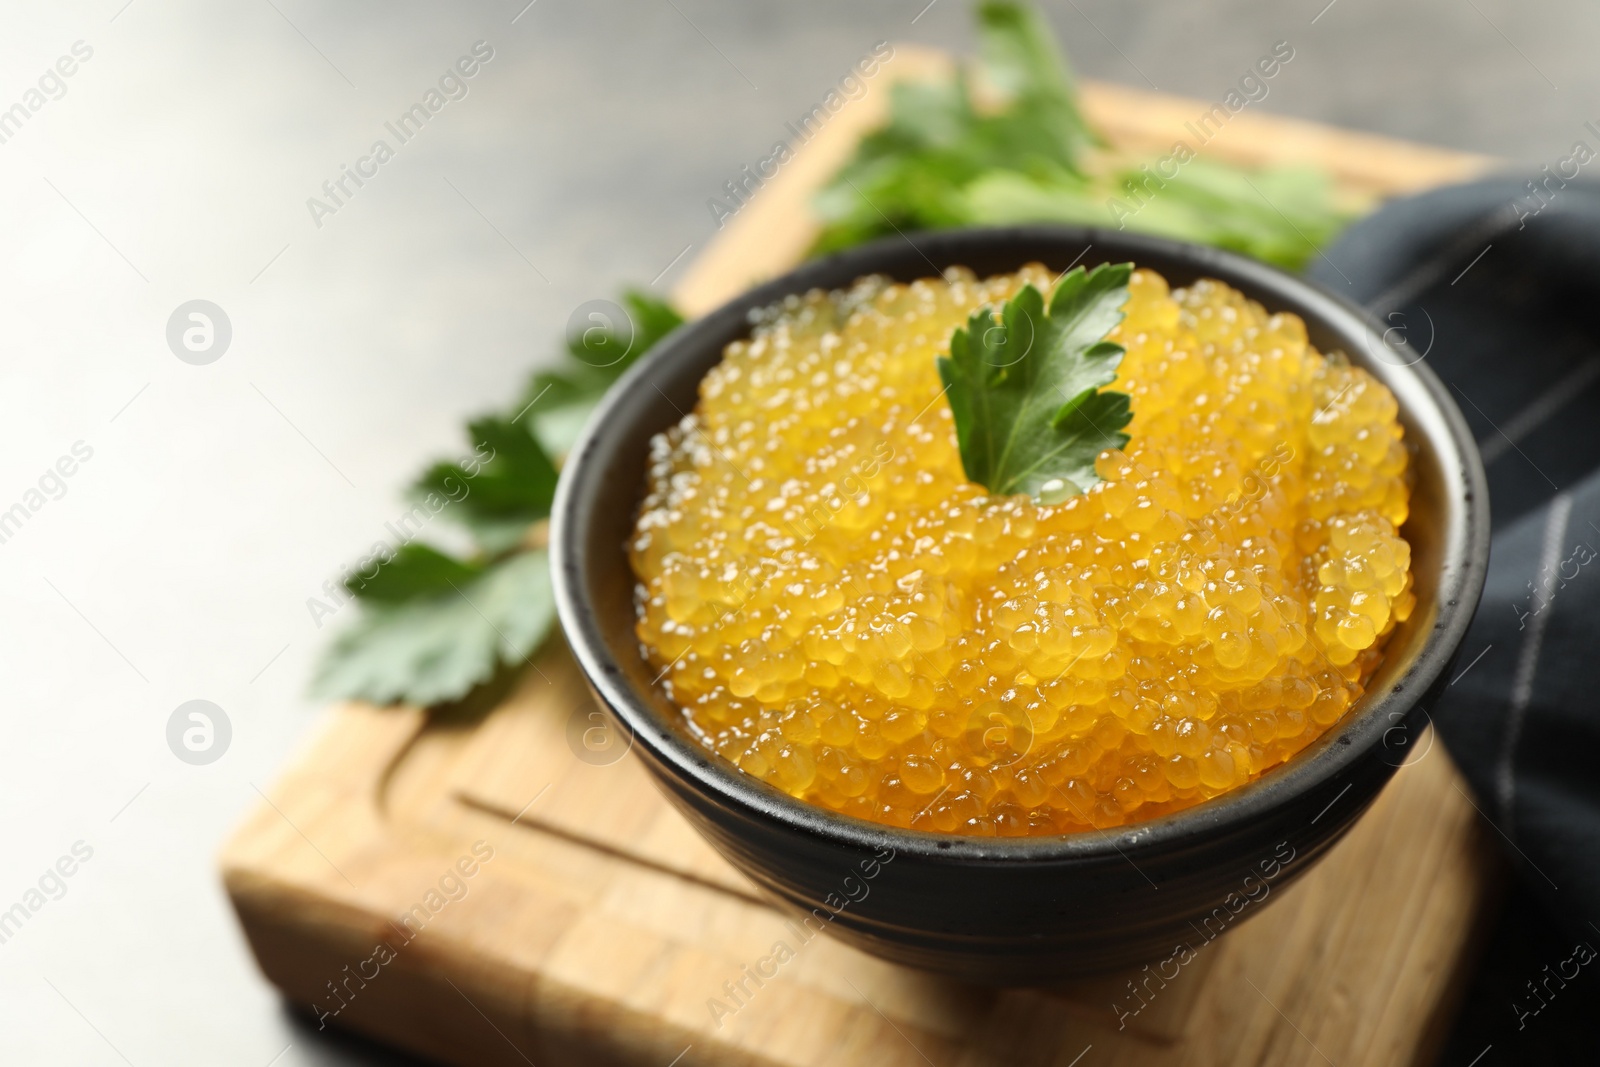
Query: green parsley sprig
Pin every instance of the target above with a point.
(434, 626)
(942, 160)
(1025, 388)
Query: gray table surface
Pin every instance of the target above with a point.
(175, 164)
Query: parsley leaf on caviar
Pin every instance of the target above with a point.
(435, 626)
(1025, 391)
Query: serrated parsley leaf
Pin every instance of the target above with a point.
(509, 485)
(913, 173)
(1025, 390)
(433, 626)
(597, 357)
(415, 570)
(434, 649)
(943, 159)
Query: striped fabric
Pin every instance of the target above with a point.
(1496, 285)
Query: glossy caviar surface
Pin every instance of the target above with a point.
(837, 610)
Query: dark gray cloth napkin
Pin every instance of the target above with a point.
(1496, 285)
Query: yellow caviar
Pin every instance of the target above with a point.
(838, 611)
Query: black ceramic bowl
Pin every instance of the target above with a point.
(1024, 910)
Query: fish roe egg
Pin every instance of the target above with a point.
(838, 611)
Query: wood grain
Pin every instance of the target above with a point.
(603, 930)
(499, 892)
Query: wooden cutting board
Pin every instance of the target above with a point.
(511, 890)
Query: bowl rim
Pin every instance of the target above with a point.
(1464, 549)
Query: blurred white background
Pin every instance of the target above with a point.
(176, 166)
